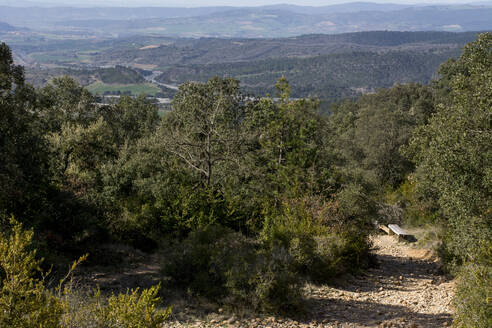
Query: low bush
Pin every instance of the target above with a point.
(24, 300)
(198, 263)
(219, 263)
(320, 258)
(277, 287)
(473, 300)
(319, 252)
(133, 309)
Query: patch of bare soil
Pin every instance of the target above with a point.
(119, 268)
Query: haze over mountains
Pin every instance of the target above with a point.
(252, 22)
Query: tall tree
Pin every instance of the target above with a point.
(288, 155)
(131, 118)
(64, 100)
(369, 132)
(22, 149)
(454, 154)
(204, 129)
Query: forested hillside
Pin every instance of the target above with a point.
(243, 201)
(329, 77)
(167, 52)
(329, 67)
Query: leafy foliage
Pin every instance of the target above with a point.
(472, 300)
(222, 264)
(24, 300)
(454, 165)
(369, 132)
(322, 244)
(454, 155)
(131, 310)
(23, 152)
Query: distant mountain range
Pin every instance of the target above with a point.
(340, 8)
(252, 22)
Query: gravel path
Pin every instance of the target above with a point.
(404, 290)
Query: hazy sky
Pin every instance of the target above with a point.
(258, 2)
(194, 3)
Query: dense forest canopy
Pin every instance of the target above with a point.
(256, 195)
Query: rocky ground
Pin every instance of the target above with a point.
(404, 290)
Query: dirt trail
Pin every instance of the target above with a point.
(404, 290)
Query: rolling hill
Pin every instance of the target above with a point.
(202, 51)
(326, 66)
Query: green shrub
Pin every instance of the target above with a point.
(352, 208)
(473, 299)
(328, 258)
(302, 248)
(221, 264)
(294, 229)
(24, 300)
(330, 255)
(277, 287)
(190, 263)
(131, 310)
(318, 252)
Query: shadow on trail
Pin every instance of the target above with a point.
(366, 313)
(394, 280)
(391, 273)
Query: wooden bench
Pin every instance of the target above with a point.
(397, 230)
(402, 234)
